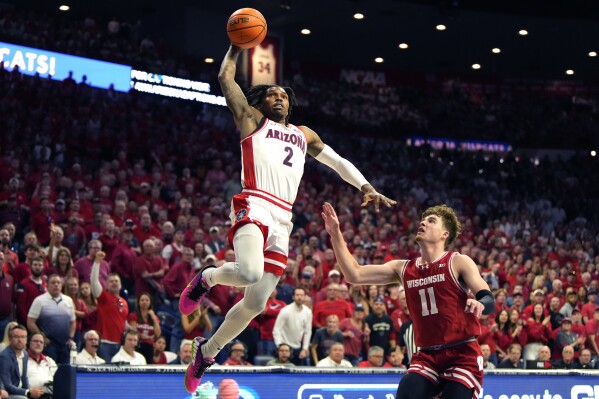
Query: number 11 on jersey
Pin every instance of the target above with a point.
(423, 301)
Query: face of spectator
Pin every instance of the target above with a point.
(376, 359)
(4, 237)
(73, 286)
(36, 345)
(237, 352)
(55, 286)
(544, 354)
(131, 341)
(566, 326)
(37, 268)
(160, 346)
(113, 284)
(503, 316)
(299, 297)
(336, 353)
(332, 292)
(145, 221)
(514, 354)
(378, 308)
(554, 304)
(144, 302)
(11, 230)
(91, 342)
(18, 339)
(332, 324)
(486, 351)
(184, 353)
(284, 353)
(585, 356)
(568, 353)
(394, 359)
(538, 311)
(572, 298)
(93, 249)
(148, 247)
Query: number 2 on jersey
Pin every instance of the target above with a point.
(431, 295)
(286, 162)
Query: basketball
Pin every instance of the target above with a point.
(246, 28)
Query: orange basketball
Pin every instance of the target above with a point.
(246, 28)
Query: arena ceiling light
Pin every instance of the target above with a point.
(496, 50)
(569, 72)
(476, 66)
(305, 31)
(441, 27)
(523, 32)
(64, 7)
(403, 46)
(592, 54)
(358, 15)
(379, 60)
(209, 60)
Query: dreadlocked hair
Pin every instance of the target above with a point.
(256, 94)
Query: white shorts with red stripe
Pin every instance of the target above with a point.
(273, 216)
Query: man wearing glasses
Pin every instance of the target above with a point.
(89, 353)
(40, 368)
(13, 367)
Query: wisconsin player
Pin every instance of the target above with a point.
(273, 153)
(444, 315)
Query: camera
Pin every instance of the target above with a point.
(129, 223)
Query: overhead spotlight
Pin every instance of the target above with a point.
(64, 7)
(523, 32)
(403, 46)
(592, 54)
(441, 27)
(475, 66)
(358, 16)
(285, 5)
(593, 153)
(305, 31)
(208, 60)
(379, 60)
(570, 72)
(496, 50)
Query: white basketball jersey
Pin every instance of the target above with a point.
(273, 159)
(264, 64)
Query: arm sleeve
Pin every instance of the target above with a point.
(346, 169)
(307, 332)
(95, 280)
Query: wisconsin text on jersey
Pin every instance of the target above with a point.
(294, 139)
(419, 282)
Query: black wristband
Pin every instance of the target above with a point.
(486, 298)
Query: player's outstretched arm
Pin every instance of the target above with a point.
(468, 272)
(348, 172)
(246, 117)
(352, 271)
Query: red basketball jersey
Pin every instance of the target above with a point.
(436, 301)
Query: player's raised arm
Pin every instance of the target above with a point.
(354, 273)
(348, 172)
(469, 274)
(246, 117)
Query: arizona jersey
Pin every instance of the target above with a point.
(436, 301)
(273, 159)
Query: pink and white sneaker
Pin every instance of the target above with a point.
(197, 366)
(194, 292)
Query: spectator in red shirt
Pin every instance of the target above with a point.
(237, 354)
(149, 271)
(376, 358)
(84, 265)
(112, 310)
(93, 231)
(7, 297)
(74, 234)
(124, 255)
(332, 305)
(30, 288)
(109, 239)
(41, 221)
(355, 331)
(146, 229)
(179, 274)
(266, 321)
(11, 260)
(23, 269)
(589, 308)
(592, 331)
(146, 323)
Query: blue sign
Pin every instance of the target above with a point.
(99, 74)
(304, 383)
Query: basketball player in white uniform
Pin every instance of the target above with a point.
(273, 156)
